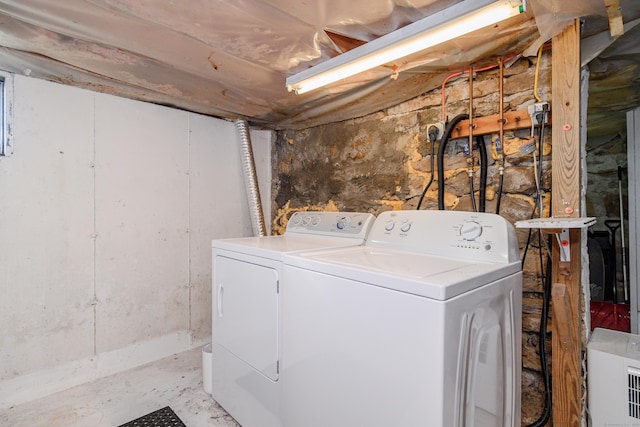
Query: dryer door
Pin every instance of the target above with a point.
(245, 318)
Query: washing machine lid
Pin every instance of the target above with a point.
(274, 247)
(305, 231)
(430, 276)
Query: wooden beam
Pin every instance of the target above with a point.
(614, 13)
(519, 119)
(565, 75)
(343, 42)
(566, 345)
(567, 326)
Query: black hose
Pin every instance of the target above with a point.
(500, 192)
(432, 138)
(543, 118)
(529, 235)
(443, 144)
(483, 172)
(542, 337)
(540, 146)
(472, 193)
(500, 152)
(542, 333)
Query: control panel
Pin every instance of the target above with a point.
(469, 235)
(349, 224)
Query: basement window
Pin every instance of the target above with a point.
(6, 113)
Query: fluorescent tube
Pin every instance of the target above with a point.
(455, 21)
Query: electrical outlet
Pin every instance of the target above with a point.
(537, 111)
(436, 128)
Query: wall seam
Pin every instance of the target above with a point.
(94, 235)
(189, 284)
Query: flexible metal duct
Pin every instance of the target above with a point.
(251, 180)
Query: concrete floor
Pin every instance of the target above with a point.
(175, 381)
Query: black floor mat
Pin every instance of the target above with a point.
(164, 417)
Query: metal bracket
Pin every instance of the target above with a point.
(564, 243)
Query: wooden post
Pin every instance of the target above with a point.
(566, 344)
(566, 296)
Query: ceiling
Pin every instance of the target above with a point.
(230, 58)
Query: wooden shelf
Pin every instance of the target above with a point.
(560, 227)
(556, 223)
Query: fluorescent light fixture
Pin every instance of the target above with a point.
(455, 21)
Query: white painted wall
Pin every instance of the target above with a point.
(107, 211)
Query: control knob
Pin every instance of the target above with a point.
(470, 230)
(343, 222)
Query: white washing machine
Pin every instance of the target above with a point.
(421, 326)
(247, 278)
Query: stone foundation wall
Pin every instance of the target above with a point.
(383, 161)
(604, 154)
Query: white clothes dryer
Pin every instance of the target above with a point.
(421, 326)
(247, 278)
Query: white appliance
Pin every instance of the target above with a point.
(613, 378)
(247, 278)
(421, 326)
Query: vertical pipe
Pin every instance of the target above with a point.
(501, 90)
(471, 116)
(251, 180)
(624, 250)
(470, 154)
(500, 142)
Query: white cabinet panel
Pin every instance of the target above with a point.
(246, 313)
